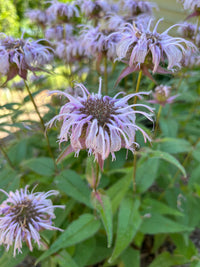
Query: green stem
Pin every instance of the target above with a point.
(97, 178)
(6, 157)
(106, 74)
(157, 120)
(196, 33)
(137, 86)
(35, 106)
(135, 156)
(42, 123)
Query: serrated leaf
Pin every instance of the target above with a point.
(167, 157)
(102, 204)
(71, 183)
(81, 229)
(129, 221)
(118, 190)
(42, 165)
(159, 224)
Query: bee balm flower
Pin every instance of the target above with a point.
(100, 124)
(191, 4)
(19, 56)
(162, 95)
(144, 49)
(23, 215)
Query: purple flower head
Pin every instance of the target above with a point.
(95, 9)
(37, 16)
(70, 50)
(135, 8)
(99, 42)
(23, 214)
(59, 32)
(100, 124)
(62, 11)
(191, 4)
(114, 21)
(19, 56)
(162, 95)
(141, 46)
(191, 59)
(188, 30)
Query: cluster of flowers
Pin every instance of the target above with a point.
(134, 43)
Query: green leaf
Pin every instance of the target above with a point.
(18, 152)
(184, 246)
(118, 190)
(153, 205)
(65, 260)
(146, 173)
(84, 251)
(129, 221)
(101, 252)
(131, 257)
(81, 229)
(72, 185)
(196, 152)
(7, 259)
(9, 181)
(159, 224)
(166, 259)
(167, 157)
(41, 165)
(194, 176)
(102, 204)
(169, 127)
(174, 145)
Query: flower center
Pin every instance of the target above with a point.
(99, 109)
(23, 213)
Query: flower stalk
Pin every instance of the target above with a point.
(6, 157)
(41, 121)
(157, 120)
(106, 74)
(135, 156)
